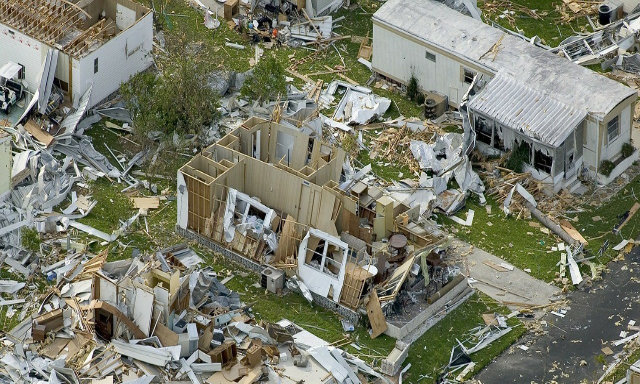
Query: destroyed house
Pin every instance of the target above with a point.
(565, 118)
(270, 195)
(75, 45)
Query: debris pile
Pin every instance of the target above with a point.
(158, 318)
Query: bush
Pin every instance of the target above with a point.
(420, 98)
(627, 150)
(606, 167)
(177, 99)
(30, 239)
(412, 88)
(518, 158)
(267, 81)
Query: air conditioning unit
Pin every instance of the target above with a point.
(272, 279)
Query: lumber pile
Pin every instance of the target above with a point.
(392, 145)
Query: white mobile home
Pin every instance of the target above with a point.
(570, 117)
(100, 42)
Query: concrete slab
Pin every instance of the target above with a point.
(514, 285)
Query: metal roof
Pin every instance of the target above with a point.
(472, 40)
(534, 113)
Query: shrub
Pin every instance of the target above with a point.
(518, 157)
(420, 98)
(31, 239)
(267, 81)
(627, 150)
(178, 99)
(412, 88)
(606, 167)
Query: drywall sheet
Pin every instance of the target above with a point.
(142, 309)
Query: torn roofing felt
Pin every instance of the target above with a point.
(529, 111)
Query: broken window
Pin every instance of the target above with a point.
(484, 130)
(430, 56)
(542, 162)
(333, 260)
(613, 129)
(324, 256)
(315, 253)
(468, 75)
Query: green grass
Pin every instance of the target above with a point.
(429, 354)
(112, 206)
(621, 370)
(515, 241)
(597, 232)
(549, 28)
(292, 306)
(509, 238)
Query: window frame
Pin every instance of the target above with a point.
(468, 72)
(616, 129)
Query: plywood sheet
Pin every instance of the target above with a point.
(146, 202)
(376, 317)
(566, 225)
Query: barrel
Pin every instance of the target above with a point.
(604, 14)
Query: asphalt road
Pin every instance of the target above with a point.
(568, 352)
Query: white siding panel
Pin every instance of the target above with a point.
(125, 17)
(22, 49)
(590, 141)
(611, 150)
(399, 57)
(117, 62)
(5, 164)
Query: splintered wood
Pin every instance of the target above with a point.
(392, 145)
(553, 205)
(507, 10)
(573, 9)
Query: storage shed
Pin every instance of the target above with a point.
(570, 117)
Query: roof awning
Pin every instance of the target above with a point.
(531, 112)
(10, 70)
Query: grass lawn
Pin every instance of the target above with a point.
(429, 354)
(549, 27)
(598, 232)
(509, 238)
(524, 246)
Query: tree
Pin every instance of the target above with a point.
(267, 81)
(177, 99)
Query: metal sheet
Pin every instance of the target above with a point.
(526, 110)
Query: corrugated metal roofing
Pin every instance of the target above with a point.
(438, 25)
(535, 114)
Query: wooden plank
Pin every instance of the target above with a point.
(566, 225)
(40, 135)
(495, 266)
(632, 212)
(146, 202)
(376, 318)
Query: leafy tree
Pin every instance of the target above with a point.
(177, 99)
(267, 81)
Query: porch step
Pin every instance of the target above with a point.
(574, 186)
